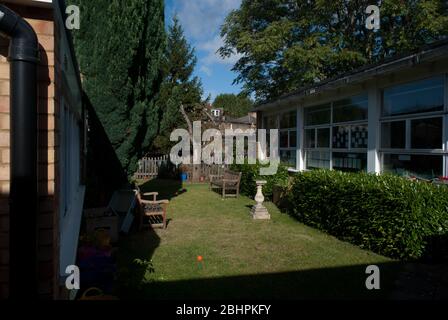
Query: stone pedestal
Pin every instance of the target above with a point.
(259, 211)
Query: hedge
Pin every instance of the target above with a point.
(386, 214)
(251, 173)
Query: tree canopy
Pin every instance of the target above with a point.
(286, 44)
(120, 48)
(234, 106)
(179, 86)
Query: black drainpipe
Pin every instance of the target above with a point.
(24, 58)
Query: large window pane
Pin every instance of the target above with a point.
(359, 137)
(318, 115)
(427, 133)
(288, 157)
(284, 139)
(420, 96)
(318, 160)
(352, 162)
(323, 138)
(270, 122)
(350, 109)
(310, 138)
(340, 137)
(293, 139)
(419, 166)
(288, 120)
(393, 135)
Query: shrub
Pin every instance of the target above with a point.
(251, 173)
(386, 214)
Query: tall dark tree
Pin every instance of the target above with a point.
(179, 87)
(234, 106)
(120, 47)
(286, 44)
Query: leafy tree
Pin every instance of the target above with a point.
(120, 48)
(179, 86)
(234, 106)
(286, 44)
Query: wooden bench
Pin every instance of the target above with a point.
(228, 181)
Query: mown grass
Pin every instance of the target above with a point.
(242, 258)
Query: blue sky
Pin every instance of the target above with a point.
(201, 20)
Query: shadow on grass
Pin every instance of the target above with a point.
(167, 189)
(346, 282)
(137, 249)
(135, 258)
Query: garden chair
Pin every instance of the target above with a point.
(154, 210)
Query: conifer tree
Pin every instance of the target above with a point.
(120, 48)
(179, 87)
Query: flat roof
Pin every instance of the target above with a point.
(435, 51)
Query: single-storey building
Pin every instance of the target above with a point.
(387, 117)
(42, 142)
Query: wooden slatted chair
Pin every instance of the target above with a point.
(153, 210)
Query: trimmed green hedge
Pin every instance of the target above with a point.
(251, 173)
(386, 214)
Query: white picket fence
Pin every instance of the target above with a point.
(149, 168)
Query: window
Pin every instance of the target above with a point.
(415, 97)
(323, 138)
(393, 135)
(318, 115)
(288, 138)
(350, 109)
(293, 139)
(413, 165)
(427, 133)
(318, 159)
(284, 139)
(359, 137)
(350, 161)
(270, 122)
(288, 157)
(336, 135)
(341, 137)
(71, 156)
(310, 138)
(288, 120)
(412, 141)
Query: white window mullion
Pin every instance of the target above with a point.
(301, 164)
(445, 128)
(374, 164)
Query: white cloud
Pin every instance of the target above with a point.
(202, 19)
(206, 70)
(212, 55)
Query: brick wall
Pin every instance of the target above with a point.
(42, 22)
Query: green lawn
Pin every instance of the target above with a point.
(242, 258)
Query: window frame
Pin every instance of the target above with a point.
(278, 117)
(408, 118)
(331, 125)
